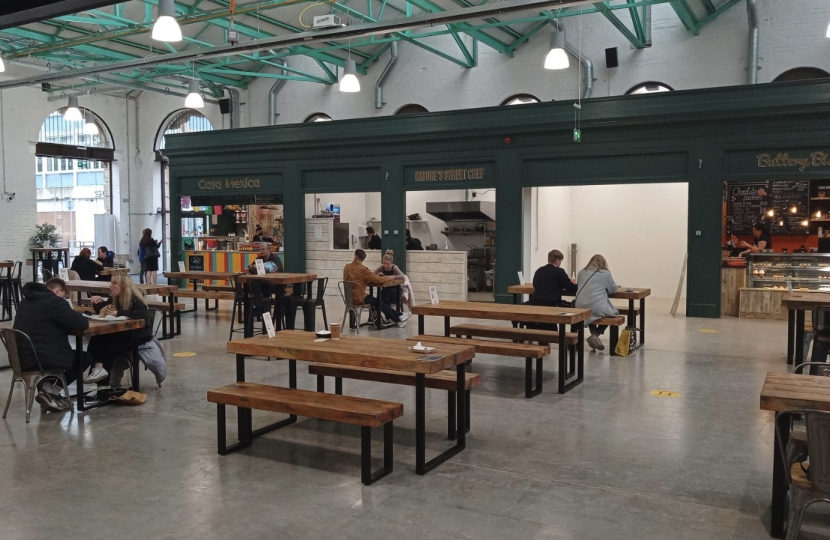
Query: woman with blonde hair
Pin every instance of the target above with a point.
(594, 284)
(125, 300)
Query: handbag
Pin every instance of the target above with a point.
(151, 252)
(627, 343)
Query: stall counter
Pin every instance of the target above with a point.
(220, 261)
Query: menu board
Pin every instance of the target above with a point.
(196, 263)
(750, 203)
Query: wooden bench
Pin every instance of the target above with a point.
(502, 348)
(173, 319)
(218, 288)
(444, 380)
(366, 413)
(207, 295)
(614, 323)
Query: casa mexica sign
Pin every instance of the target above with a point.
(228, 184)
(800, 162)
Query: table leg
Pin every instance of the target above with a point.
(463, 414)
(516, 298)
(790, 335)
(420, 324)
(420, 423)
(79, 373)
(135, 371)
(279, 293)
(171, 298)
(247, 308)
(799, 337)
(779, 476)
(642, 321)
(240, 368)
(447, 326)
(380, 308)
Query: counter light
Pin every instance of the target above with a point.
(794, 209)
(805, 223)
(166, 28)
(770, 213)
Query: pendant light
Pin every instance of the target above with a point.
(2, 65)
(194, 98)
(828, 31)
(166, 28)
(73, 113)
(349, 82)
(90, 127)
(557, 58)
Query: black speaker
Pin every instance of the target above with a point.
(611, 58)
(224, 106)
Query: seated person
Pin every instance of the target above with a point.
(86, 267)
(390, 294)
(361, 276)
(595, 284)
(288, 306)
(412, 244)
(46, 317)
(550, 281)
(125, 300)
(106, 259)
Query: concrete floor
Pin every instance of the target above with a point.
(607, 460)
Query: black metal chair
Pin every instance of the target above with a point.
(17, 284)
(238, 312)
(318, 302)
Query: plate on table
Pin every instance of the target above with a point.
(421, 349)
(108, 318)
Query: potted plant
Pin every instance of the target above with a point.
(45, 236)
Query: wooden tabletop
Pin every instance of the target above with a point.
(103, 287)
(806, 300)
(47, 250)
(359, 351)
(209, 276)
(278, 278)
(396, 281)
(624, 293)
(504, 312)
(98, 327)
(787, 392)
(6, 264)
(108, 271)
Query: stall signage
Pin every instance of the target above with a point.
(229, 183)
(800, 162)
(450, 175)
(455, 173)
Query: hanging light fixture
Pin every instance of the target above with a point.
(194, 97)
(349, 82)
(90, 127)
(828, 31)
(557, 58)
(73, 113)
(2, 65)
(166, 28)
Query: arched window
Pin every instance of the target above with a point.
(802, 74)
(318, 117)
(650, 87)
(57, 130)
(520, 99)
(182, 121)
(411, 109)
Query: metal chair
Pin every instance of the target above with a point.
(318, 301)
(812, 483)
(346, 288)
(158, 318)
(237, 314)
(74, 276)
(12, 339)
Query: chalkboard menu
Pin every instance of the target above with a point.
(196, 263)
(749, 203)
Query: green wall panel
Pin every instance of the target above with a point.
(777, 162)
(600, 169)
(341, 179)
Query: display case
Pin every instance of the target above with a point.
(805, 271)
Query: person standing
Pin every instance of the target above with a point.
(151, 256)
(142, 261)
(373, 240)
(595, 284)
(761, 240)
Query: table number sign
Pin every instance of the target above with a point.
(63, 273)
(521, 278)
(260, 267)
(269, 324)
(433, 294)
(181, 266)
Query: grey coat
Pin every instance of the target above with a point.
(593, 294)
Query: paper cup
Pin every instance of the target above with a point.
(335, 331)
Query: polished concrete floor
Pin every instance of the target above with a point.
(607, 460)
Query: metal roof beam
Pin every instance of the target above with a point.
(464, 27)
(636, 41)
(687, 17)
(717, 13)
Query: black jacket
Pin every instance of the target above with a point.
(87, 268)
(138, 310)
(549, 282)
(413, 244)
(47, 319)
(374, 243)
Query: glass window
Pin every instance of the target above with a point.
(39, 181)
(520, 99)
(650, 88)
(91, 178)
(318, 117)
(186, 121)
(411, 109)
(39, 164)
(56, 130)
(59, 180)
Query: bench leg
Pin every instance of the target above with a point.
(571, 359)
(321, 383)
(529, 390)
(615, 335)
(467, 410)
(338, 386)
(451, 430)
(367, 477)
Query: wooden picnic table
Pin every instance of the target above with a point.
(99, 327)
(109, 270)
(274, 278)
(623, 293)
(784, 392)
(797, 303)
(369, 352)
(7, 291)
(103, 288)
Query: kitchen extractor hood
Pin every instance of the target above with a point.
(463, 210)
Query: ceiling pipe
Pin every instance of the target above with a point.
(307, 38)
(752, 16)
(393, 59)
(587, 65)
(233, 94)
(272, 95)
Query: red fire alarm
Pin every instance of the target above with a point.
(508, 140)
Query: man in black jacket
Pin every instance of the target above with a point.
(550, 281)
(46, 317)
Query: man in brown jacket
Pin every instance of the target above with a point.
(356, 272)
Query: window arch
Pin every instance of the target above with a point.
(57, 130)
(520, 99)
(182, 121)
(650, 87)
(801, 74)
(317, 117)
(412, 108)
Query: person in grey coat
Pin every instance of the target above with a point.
(594, 284)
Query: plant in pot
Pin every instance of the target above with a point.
(45, 236)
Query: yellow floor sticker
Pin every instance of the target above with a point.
(664, 393)
(184, 354)
(709, 331)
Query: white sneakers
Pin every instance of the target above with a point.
(595, 343)
(95, 374)
(404, 319)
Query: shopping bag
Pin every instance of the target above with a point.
(627, 343)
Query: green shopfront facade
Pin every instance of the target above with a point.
(701, 137)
